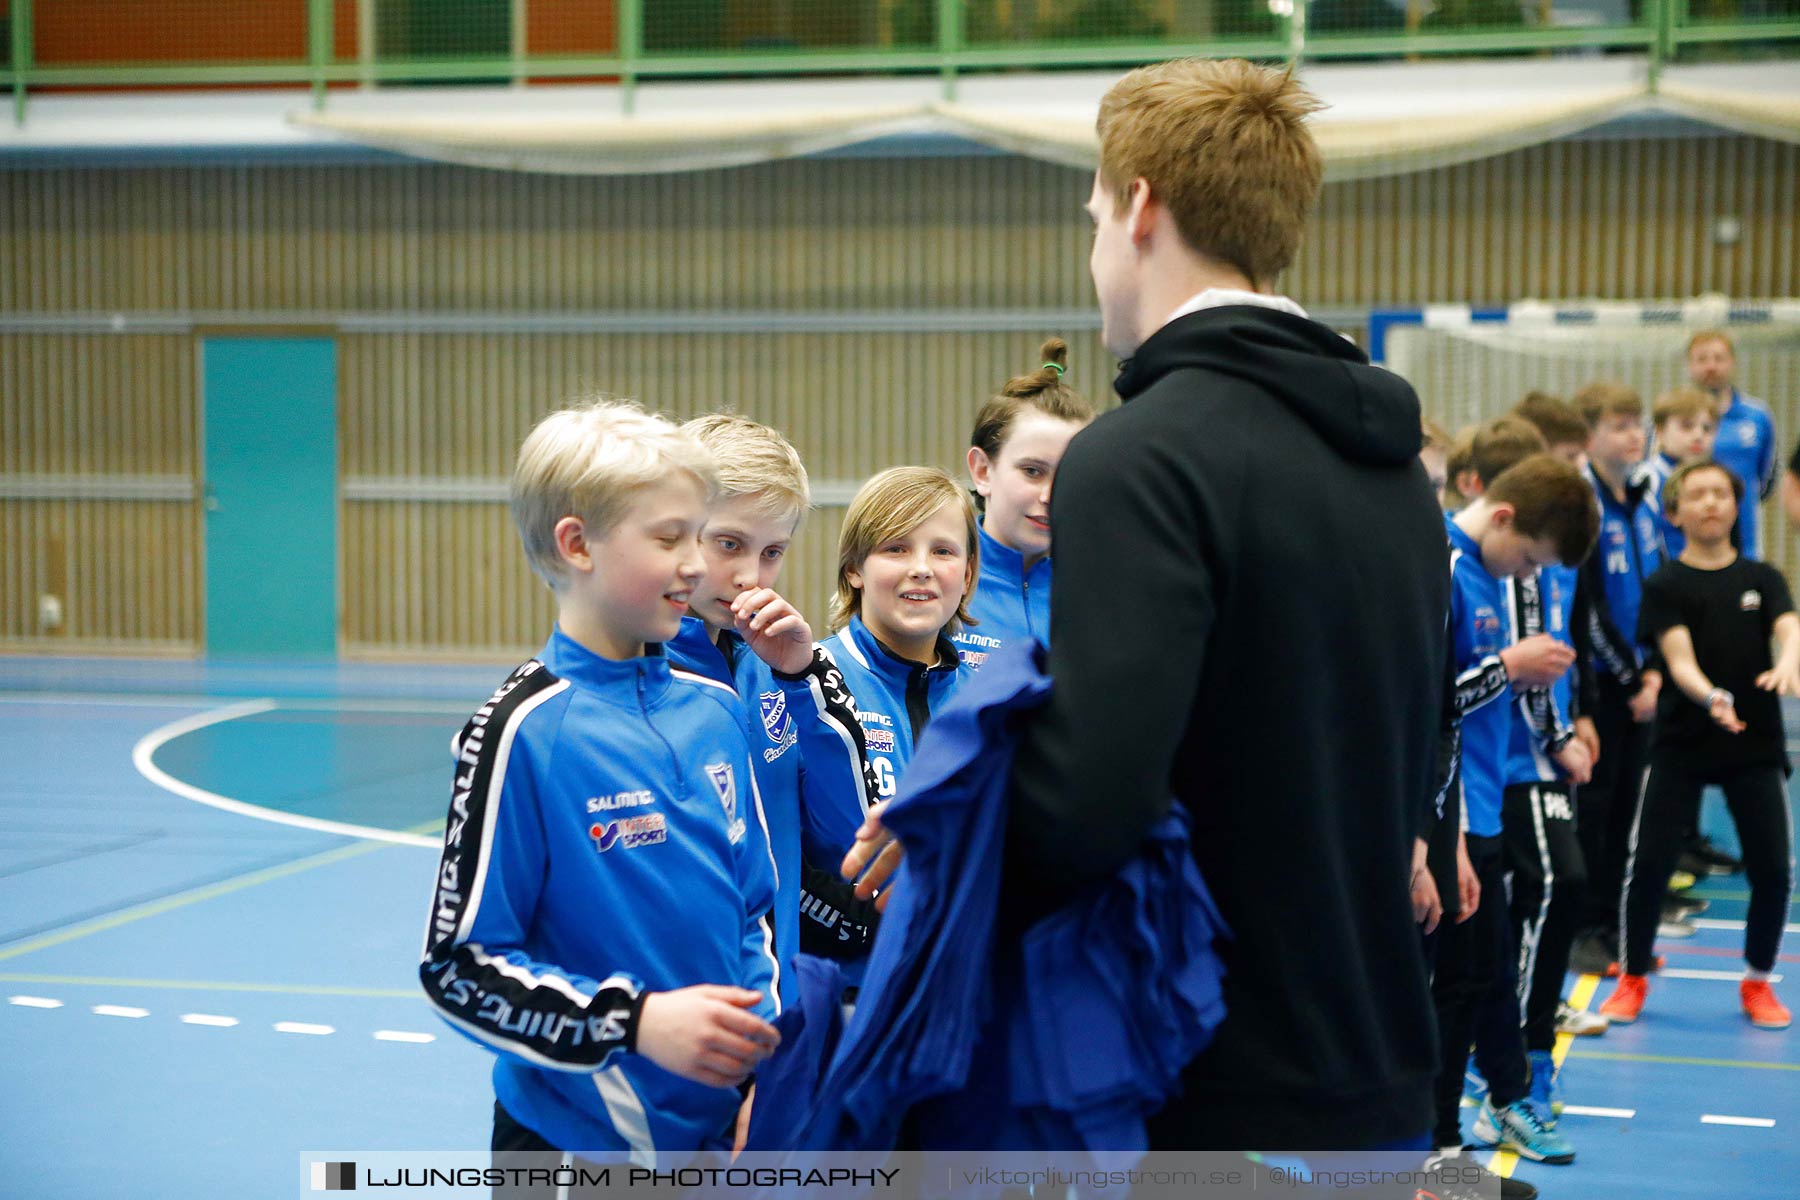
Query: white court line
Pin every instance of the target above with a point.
(1724, 976)
(218, 1022)
(302, 1027)
(400, 1035)
(1582, 1110)
(1716, 923)
(1746, 1122)
(34, 1002)
(119, 1010)
(143, 758)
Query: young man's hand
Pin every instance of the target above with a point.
(1643, 705)
(1723, 710)
(774, 630)
(1468, 884)
(1783, 679)
(1428, 907)
(1588, 734)
(1575, 761)
(705, 1033)
(1537, 661)
(873, 859)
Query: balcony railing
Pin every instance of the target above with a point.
(62, 45)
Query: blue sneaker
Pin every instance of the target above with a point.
(1546, 1086)
(1520, 1129)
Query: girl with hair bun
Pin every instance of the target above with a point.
(1019, 438)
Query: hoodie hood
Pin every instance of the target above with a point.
(1365, 413)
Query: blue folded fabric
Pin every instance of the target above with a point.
(1066, 1040)
(787, 1083)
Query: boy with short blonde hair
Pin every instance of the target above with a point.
(1686, 428)
(627, 1035)
(1625, 686)
(797, 710)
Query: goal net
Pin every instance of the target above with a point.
(1471, 367)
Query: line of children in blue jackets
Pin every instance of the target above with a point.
(1555, 626)
(686, 759)
(648, 816)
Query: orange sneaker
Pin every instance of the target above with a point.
(1656, 964)
(1627, 1000)
(1761, 1006)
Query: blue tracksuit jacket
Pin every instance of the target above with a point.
(1011, 605)
(1479, 630)
(1095, 1010)
(1746, 445)
(1652, 474)
(807, 750)
(605, 841)
(1628, 552)
(894, 697)
(1541, 717)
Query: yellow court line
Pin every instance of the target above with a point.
(210, 985)
(194, 896)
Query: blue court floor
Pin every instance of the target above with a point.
(214, 880)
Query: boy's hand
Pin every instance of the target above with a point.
(1783, 679)
(1723, 710)
(873, 860)
(1575, 761)
(705, 1034)
(1643, 705)
(741, 1134)
(1537, 661)
(1588, 734)
(1428, 908)
(774, 630)
(1468, 884)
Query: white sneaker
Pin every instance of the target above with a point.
(1580, 1022)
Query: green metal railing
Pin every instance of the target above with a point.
(340, 43)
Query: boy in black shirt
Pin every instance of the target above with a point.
(1712, 614)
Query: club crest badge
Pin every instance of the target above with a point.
(1750, 601)
(777, 721)
(724, 782)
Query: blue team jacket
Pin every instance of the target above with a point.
(1652, 475)
(1746, 445)
(1540, 716)
(1011, 605)
(894, 697)
(1629, 551)
(808, 760)
(605, 840)
(1479, 630)
(1095, 1010)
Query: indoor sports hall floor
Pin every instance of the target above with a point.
(214, 883)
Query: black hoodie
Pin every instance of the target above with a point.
(1250, 595)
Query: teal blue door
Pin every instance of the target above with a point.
(270, 409)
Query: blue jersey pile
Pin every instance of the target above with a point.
(1066, 1040)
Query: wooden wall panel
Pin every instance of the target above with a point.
(98, 503)
(902, 239)
(1610, 219)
